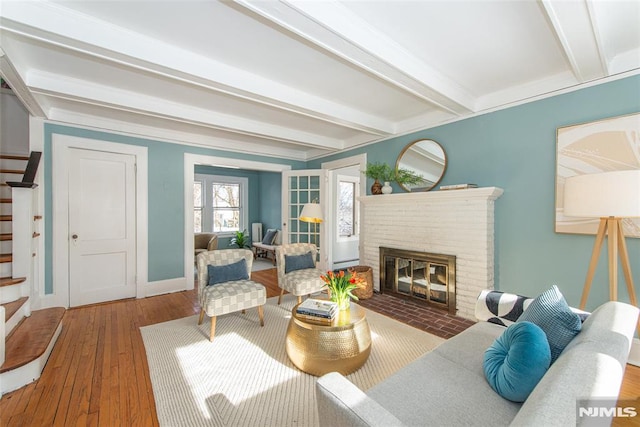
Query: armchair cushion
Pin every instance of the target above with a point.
(227, 273)
(298, 262)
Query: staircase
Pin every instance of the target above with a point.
(26, 338)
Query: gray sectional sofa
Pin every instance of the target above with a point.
(447, 386)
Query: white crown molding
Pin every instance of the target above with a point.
(86, 121)
(11, 75)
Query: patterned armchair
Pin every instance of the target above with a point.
(298, 282)
(227, 296)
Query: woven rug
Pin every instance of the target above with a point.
(244, 378)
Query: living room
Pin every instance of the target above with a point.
(511, 145)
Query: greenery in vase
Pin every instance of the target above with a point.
(241, 239)
(340, 286)
(384, 172)
(379, 171)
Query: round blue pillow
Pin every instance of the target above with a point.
(517, 361)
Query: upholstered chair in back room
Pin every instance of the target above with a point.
(297, 272)
(204, 242)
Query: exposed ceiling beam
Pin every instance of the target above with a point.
(178, 137)
(336, 29)
(105, 96)
(575, 29)
(54, 24)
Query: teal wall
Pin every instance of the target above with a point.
(264, 196)
(515, 149)
(166, 196)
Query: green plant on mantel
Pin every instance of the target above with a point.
(379, 171)
(384, 172)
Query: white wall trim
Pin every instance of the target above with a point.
(60, 145)
(190, 161)
(167, 286)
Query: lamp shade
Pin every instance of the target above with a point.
(605, 194)
(311, 212)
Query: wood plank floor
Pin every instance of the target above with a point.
(97, 374)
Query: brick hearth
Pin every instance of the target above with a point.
(417, 314)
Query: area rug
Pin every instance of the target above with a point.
(260, 264)
(244, 378)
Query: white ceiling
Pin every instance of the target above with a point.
(302, 79)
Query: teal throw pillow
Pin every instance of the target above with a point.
(517, 361)
(227, 273)
(298, 262)
(551, 312)
(269, 237)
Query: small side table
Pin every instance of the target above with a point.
(343, 346)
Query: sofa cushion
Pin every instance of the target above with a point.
(551, 313)
(298, 262)
(517, 361)
(227, 273)
(434, 391)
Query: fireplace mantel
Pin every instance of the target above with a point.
(484, 193)
(452, 222)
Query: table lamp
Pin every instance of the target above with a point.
(612, 197)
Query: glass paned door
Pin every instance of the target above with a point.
(300, 187)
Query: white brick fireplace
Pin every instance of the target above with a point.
(454, 222)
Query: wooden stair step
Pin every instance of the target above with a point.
(6, 200)
(10, 308)
(30, 339)
(8, 281)
(6, 236)
(6, 258)
(6, 218)
(13, 157)
(12, 171)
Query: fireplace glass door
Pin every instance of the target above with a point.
(427, 277)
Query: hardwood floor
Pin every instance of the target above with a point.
(97, 374)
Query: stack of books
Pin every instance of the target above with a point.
(317, 310)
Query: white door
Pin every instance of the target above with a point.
(102, 235)
(300, 187)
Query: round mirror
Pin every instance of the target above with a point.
(425, 158)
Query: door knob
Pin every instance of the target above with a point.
(74, 237)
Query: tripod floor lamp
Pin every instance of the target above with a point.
(612, 197)
(312, 212)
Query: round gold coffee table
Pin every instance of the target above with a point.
(317, 349)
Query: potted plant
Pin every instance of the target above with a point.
(241, 239)
(340, 286)
(378, 172)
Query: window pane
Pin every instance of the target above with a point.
(226, 220)
(345, 208)
(197, 220)
(226, 196)
(197, 194)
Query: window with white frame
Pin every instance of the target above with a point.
(348, 191)
(224, 203)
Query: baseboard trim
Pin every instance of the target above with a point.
(165, 287)
(634, 354)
